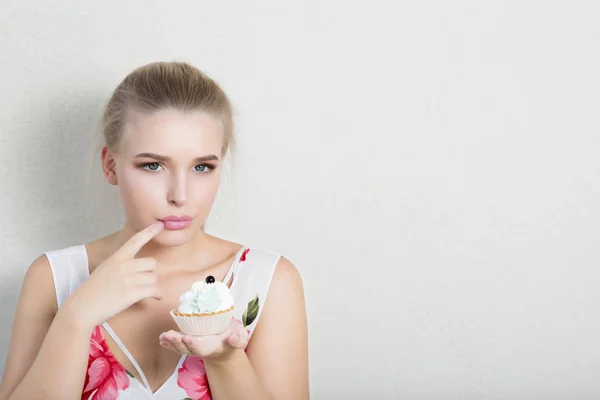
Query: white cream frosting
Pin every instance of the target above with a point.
(206, 298)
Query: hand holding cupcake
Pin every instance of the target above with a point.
(205, 319)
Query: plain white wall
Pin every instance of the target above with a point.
(431, 168)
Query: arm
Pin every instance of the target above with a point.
(47, 356)
(275, 365)
(49, 349)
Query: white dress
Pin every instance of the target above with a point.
(107, 379)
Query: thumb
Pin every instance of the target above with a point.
(235, 341)
(236, 336)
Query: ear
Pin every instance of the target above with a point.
(109, 166)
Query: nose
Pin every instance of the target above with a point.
(177, 194)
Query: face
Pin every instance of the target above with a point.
(168, 168)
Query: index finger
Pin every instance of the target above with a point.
(131, 247)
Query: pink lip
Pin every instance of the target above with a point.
(173, 222)
(176, 218)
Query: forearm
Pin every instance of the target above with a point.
(58, 371)
(235, 379)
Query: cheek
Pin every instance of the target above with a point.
(203, 194)
(138, 193)
(209, 189)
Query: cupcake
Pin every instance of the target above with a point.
(206, 309)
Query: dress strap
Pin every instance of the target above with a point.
(119, 343)
(69, 269)
(234, 265)
(251, 283)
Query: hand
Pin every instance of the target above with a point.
(118, 282)
(213, 347)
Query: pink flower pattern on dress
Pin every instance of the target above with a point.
(244, 254)
(192, 378)
(104, 372)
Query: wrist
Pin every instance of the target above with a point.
(225, 359)
(71, 316)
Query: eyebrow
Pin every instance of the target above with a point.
(158, 157)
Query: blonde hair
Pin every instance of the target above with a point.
(161, 85)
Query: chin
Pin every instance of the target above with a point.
(172, 238)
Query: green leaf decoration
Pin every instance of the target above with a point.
(251, 312)
(187, 398)
(130, 374)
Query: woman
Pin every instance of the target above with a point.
(93, 320)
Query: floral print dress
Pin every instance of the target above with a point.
(107, 379)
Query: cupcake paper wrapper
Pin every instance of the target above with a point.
(203, 325)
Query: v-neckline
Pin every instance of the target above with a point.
(144, 383)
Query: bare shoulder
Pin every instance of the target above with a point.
(284, 306)
(278, 349)
(285, 302)
(38, 286)
(35, 311)
(286, 276)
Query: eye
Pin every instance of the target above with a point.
(203, 168)
(151, 166)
